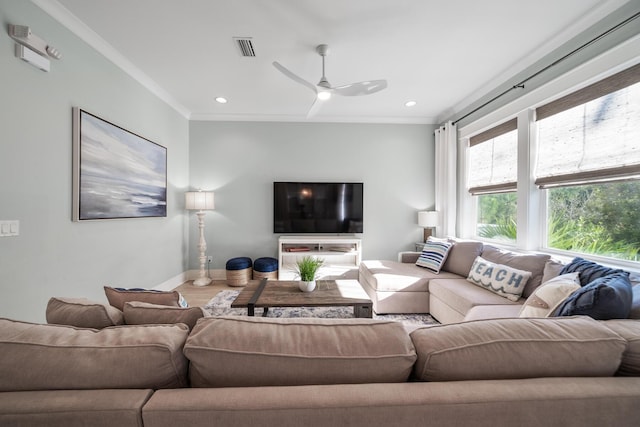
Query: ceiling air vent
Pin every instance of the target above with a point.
(245, 45)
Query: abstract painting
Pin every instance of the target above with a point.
(116, 174)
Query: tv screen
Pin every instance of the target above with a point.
(317, 207)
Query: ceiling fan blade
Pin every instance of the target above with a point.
(294, 77)
(360, 88)
(315, 107)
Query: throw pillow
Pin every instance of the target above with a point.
(500, 279)
(589, 270)
(534, 263)
(548, 296)
(82, 313)
(433, 255)
(118, 296)
(635, 303)
(605, 298)
(142, 313)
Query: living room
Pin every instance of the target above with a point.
(238, 160)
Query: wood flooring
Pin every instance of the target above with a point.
(199, 296)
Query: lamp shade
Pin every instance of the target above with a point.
(428, 218)
(199, 200)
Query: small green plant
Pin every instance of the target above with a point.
(307, 268)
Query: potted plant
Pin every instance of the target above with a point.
(307, 267)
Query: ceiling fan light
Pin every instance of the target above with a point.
(221, 100)
(324, 95)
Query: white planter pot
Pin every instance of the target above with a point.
(307, 286)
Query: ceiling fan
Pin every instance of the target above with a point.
(323, 90)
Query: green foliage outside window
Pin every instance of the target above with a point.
(497, 216)
(601, 219)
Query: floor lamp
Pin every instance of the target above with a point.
(428, 220)
(200, 201)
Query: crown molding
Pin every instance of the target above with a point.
(298, 118)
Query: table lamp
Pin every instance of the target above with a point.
(428, 220)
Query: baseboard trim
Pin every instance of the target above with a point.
(218, 274)
(178, 280)
(172, 283)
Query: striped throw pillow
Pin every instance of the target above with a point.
(433, 255)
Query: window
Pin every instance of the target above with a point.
(497, 216)
(492, 178)
(589, 160)
(602, 219)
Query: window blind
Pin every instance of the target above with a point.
(599, 89)
(592, 135)
(493, 160)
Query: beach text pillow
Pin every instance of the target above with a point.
(500, 279)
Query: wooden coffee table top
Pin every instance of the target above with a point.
(285, 293)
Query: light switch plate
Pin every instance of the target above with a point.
(9, 228)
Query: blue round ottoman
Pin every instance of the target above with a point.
(265, 268)
(239, 271)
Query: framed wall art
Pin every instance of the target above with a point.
(116, 173)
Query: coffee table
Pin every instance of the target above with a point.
(285, 293)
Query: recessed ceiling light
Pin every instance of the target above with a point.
(410, 103)
(221, 100)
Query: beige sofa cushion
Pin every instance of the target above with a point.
(118, 297)
(551, 269)
(82, 313)
(537, 402)
(461, 256)
(394, 276)
(629, 329)
(73, 408)
(54, 357)
(462, 295)
(142, 313)
(483, 312)
(297, 352)
(534, 263)
(517, 348)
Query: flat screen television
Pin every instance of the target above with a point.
(317, 207)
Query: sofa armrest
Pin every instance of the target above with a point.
(408, 257)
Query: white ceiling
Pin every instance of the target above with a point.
(442, 54)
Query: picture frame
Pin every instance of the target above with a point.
(117, 174)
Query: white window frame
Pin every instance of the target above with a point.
(532, 202)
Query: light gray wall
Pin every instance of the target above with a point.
(54, 256)
(239, 161)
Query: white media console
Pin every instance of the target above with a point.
(341, 255)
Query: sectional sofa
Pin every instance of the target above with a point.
(572, 371)
(404, 287)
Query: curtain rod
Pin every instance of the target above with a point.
(553, 64)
